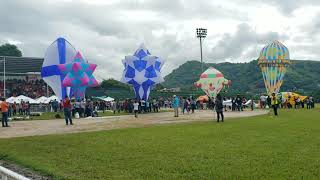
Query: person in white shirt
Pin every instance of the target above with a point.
(136, 108)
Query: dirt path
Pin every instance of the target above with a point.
(43, 127)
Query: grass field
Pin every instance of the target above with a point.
(263, 147)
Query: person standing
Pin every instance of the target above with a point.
(114, 106)
(193, 105)
(252, 103)
(269, 101)
(274, 104)
(175, 105)
(67, 110)
(77, 106)
(4, 110)
(55, 105)
(219, 108)
(14, 107)
(136, 108)
(239, 103)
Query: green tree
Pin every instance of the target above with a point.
(10, 50)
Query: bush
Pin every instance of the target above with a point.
(58, 116)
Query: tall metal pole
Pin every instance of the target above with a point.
(47, 90)
(4, 77)
(201, 34)
(201, 54)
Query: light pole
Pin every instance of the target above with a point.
(201, 34)
(4, 76)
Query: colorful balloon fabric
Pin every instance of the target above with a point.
(212, 82)
(290, 97)
(273, 61)
(59, 52)
(142, 71)
(78, 76)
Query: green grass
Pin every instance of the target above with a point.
(262, 147)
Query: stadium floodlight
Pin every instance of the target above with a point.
(4, 76)
(201, 34)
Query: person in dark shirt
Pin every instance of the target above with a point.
(269, 101)
(219, 108)
(239, 103)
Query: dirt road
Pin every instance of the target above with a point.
(43, 127)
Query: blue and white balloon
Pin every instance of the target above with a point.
(59, 52)
(142, 71)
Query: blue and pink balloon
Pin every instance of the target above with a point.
(78, 75)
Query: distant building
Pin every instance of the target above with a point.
(21, 68)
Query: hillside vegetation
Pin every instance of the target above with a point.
(302, 76)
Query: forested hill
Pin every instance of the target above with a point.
(302, 76)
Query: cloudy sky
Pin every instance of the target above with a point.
(107, 30)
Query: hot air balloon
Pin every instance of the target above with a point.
(142, 71)
(59, 52)
(212, 82)
(273, 61)
(78, 76)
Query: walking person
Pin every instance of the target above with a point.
(4, 110)
(67, 110)
(219, 108)
(175, 105)
(274, 104)
(136, 108)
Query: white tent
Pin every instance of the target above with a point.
(21, 98)
(52, 98)
(11, 99)
(26, 99)
(108, 99)
(42, 100)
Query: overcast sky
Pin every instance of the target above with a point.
(107, 30)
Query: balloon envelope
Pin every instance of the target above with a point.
(59, 52)
(273, 61)
(142, 71)
(212, 82)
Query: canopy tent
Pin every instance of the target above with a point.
(108, 99)
(11, 99)
(20, 98)
(26, 99)
(42, 99)
(104, 98)
(52, 98)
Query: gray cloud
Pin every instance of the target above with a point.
(231, 47)
(106, 32)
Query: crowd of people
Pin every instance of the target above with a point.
(31, 88)
(91, 108)
(289, 102)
